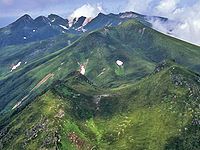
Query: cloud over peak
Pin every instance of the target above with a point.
(138, 6)
(167, 6)
(87, 10)
(185, 13)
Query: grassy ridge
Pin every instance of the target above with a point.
(144, 115)
(114, 107)
(138, 46)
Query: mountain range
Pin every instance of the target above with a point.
(111, 82)
(27, 29)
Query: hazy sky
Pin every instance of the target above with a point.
(185, 11)
(12, 9)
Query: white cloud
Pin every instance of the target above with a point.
(166, 6)
(87, 10)
(188, 28)
(138, 6)
(185, 15)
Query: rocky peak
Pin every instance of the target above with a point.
(57, 20)
(101, 15)
(42, 21)
(26, 17)
(128, 15)
(79, 22)
(23, 21)
(164, 64)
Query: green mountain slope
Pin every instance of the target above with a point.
(156, 46)
(90, 49)
(136, 45)
(28, 53)
(158, 112)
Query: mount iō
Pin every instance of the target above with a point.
(119, 85)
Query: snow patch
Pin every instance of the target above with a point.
(120, 23)
(64, 27)
(119, 62)
(87, 20)
(110, 25)
(102, 72)
(82, 69)
(84, 30)
(71, 23)
(69, 42)
(143, 30)
(106, 30)
(16, 105)
(81, 29)
(16, 66)
(128, 15)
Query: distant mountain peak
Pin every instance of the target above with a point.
(101, 14)
(26, 17)
(129, 14)
(42, 21)
(23, 21)
(56, 25)
(57, 20)
(54, 17)
(79, 22)
(42, 18)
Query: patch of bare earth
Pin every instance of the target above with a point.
(47, 77)
(78, 142)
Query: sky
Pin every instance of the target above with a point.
(10, 10)
(186, 12)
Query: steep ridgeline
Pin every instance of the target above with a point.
(125, 54)
(159, 112)
(27, 29)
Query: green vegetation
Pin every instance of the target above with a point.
(28, 53)
(48, 104)
(154, 113)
